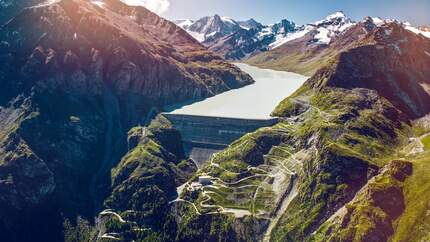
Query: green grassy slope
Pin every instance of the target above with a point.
(414, 223)
(301, 63)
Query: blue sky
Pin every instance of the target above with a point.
(301, 11)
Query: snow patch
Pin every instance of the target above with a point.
(264, 32)
(46, 3)
(228, 20)
(198, 36)
(323, 36)
(100, 4)
(184, 23)
(332, 17)
(388, 31)
(211, 34)
(244, 27)
(417, 31)
(378, 21)
(331, 26)
(345, 27)
(280, 40)
(337, 15)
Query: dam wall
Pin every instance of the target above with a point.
(203, 136)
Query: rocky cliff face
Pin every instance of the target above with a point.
(77, 75)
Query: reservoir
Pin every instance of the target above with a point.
(255, 101)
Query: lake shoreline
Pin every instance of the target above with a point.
(255, 101)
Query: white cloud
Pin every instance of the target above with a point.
(156, 6)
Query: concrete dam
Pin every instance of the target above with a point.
(211, 125)
(203, 136)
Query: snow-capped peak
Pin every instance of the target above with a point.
(209, 27)
(250, 24)
(338, 16)
(228, 19)
(378, 21)
(331, 26)
(423, 31)
(184, 23)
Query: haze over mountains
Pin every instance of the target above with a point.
(87, 154)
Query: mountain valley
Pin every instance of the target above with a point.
(90, 149)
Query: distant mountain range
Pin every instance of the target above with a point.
(305, 55)
(239, 40)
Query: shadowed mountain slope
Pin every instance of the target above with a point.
(77, 75)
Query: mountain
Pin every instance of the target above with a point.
(401, 79)
(77, 75)
(256, 38)
(380, 64)
(86, 155)
(420, 30)
(250, 24)
(184, 23)
(307, 54)
(210, 27)
(347, 161)
(313, 50)
(250, 41)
